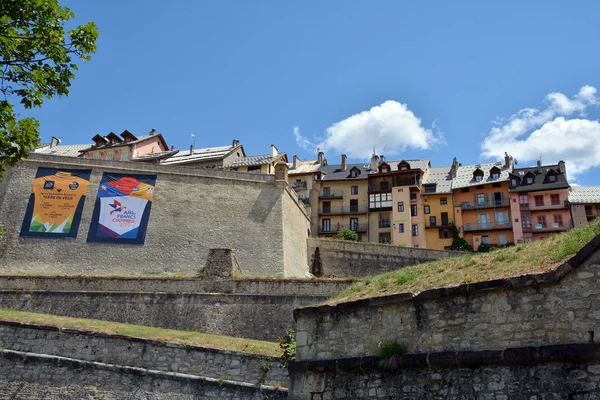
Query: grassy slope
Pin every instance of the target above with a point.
(139, 331)
(536, 257)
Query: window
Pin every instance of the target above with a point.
(384, 169)
(124, 155)
(432, 221)
(429, 188)
(502, 218)
(354, 190)
(526, 220)
(401, 227)
(384, 221)
(478, 178)
(484, 221)
(541, 222)
(413, 210)
(555, 199)
(353, 205)
(426, 209)
(400, 206)
(354, 224)
(385, 238)
(110, 156)
(444, 234)
(444, 219)
(480, 198)
(326, 225)
(326, 207)
(415, 230)
(558, 222)
(539, 201)
(443, 200)
(326, 191)
(380, 200)
(464, 190)
(523, 199)
(96, 156)
(485, 239)
(513, 182)
(529, 180)
(495, 175)
(551, 178)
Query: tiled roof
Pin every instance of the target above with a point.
(207, 154)
(65, 150)
(155, 156)
(442, 177)
(584, 194)
(539, 179)
(335, 172)
(255, 160)
(464, 175)
(414, 164)
(304, 167)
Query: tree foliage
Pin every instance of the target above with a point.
(36, 63)
(458, 243)
(347, 234)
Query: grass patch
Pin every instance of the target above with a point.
(391, 349)
(146, 332)
(531, 258)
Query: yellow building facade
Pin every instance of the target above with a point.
(438, 207)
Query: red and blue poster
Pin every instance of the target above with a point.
(122, 208)
(56, 202)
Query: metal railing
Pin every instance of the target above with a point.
(545, 206)
(468, 227)
(384, 223)
(439, 224)
(343, 210)
(298, 185)
(305, 200)
(541, 228)
(358, 228)
(465, 205)
(331, 194)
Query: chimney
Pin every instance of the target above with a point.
(562, 168)
(539, 166)
(296, 161)
(235, 143)
(343, 162)
(281, 174)
(374, 162)
(191, 149)
(506, 160)
(381, 159)
(54, 142)
(172, 147)
(454, 168)
(273, 150)
(321, 157)
(153, 131)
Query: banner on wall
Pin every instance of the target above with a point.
(56, 203)
(122, 208)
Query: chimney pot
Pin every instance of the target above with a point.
(153, 131)
(191, 149)
(274, 151)
(54, 142)
(344, 162)
(295, 162)
(321, 157)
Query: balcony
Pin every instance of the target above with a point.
(484, 204)
(545, 206)
(298, 185)
(544, 228)
(384, 223)
(360, 228)
(442, 224)
(488, 226)
(380, 188)
(305, 200)
(342, 210)
(331, 194)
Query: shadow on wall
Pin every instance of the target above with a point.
(264, 204)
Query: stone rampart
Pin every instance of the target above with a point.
(263, 317)
(142, 353)
(346, 259)
(193, 211)
(39, 376)
(555, 312)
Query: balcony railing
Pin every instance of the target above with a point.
(484, 204)
(542, 228)
(298, 185)
(358, 228)
(468, 227)
(545, 206)
(305, 200)
(384, 223)
(439, 224)
(342, 210)
(331, 194)
(380, 188)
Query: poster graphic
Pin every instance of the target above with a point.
(56, 202)
(122, 208)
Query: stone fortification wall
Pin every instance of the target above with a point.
(345, 259)
(193, 211)
(263, 317)
(143, 353)
(277, 287)
(472, 325)
(38, 376)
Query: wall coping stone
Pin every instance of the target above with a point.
(347, 243)
(545, 278)
(115, 336)
(58, 360)
(173, 278)
(514, 356)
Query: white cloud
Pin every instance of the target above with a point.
(390, 128)
(548, 132)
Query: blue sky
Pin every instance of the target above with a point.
(432, 79)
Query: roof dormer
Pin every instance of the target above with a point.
(99, 140)
(478, 175)
(529, 178)
(403, 165)
(384, 168)
(495, 173)
(551, 176)
(354, 172)
(113, 138)
(128, 136)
